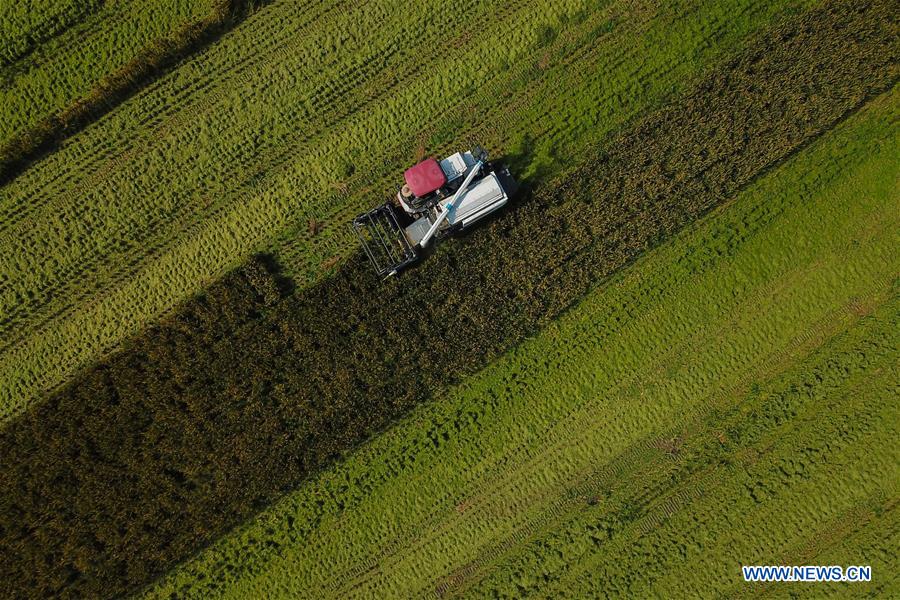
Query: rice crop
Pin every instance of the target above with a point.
(727, 399)
(26, 25)
(214, 427)
(286, 101)
(65, 62)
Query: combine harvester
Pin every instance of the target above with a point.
(438, 198)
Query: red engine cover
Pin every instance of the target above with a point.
(425, 177)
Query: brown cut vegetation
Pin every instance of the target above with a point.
(206, 418)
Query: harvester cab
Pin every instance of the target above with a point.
(437, 198)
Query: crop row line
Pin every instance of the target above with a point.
(76, 275)
(578, 420)
(106, 89)
(123, 273)
(165, 115)
(770, 438)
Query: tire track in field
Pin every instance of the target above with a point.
(646, 526)
(749, 454)
(648, 453)
(127, 269)
(91, 25)
(184, 116)
(652, 513)
(580, 419)
(162, 117)
(323, 127)
(583, 483)
(851, 521)
(161, 107)
(147, 64)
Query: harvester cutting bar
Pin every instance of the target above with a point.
(384, 240)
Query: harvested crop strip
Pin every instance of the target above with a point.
(181, 223)
(170, 442)
(49, 97)
(25, 25)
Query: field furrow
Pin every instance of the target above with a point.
(602, 451)
(64, 69)
(125, 258)
(282, 393)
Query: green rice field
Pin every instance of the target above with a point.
(672, 354)
(80, 273)
(729, 399)
(55, 55)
